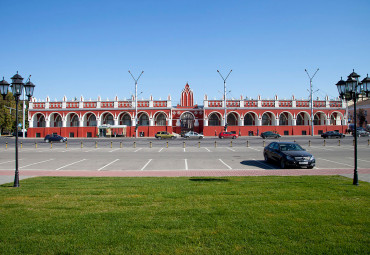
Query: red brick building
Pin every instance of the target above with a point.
(81, 118)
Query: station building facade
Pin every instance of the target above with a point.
(246, 117)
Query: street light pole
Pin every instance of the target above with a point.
(224, 79)
(136, 124)
(351, 90)
(311, 93)
(17, 89)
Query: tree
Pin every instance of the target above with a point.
(361, 117)
(7, 114)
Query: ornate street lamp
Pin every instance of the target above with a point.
(349, 90)
(17, 88)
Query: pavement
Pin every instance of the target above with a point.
(363, 174)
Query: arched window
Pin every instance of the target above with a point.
(160, 120)
(249, 120)
(91, 121)
(125, 120)
(232, 120)
(40, 120)
(283, 120)
(300, 120)
(187, 121)
(144, 120)
(108, 119)
(214, 120)
(57, 121)
(266, 119)
(74, 121)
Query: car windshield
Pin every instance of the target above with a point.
(290, 147)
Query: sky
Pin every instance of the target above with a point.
(86, 47)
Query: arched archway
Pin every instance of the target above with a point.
(89, 120)
(250, 119)
(187, 121)
(214, 119)
(232, 119)
(336, 118)
(125, 119)
(107, 119)
(55, 120)
(285, 119)
(303, 119)
(268, 119)
(39, 120)
(143, 119)
(319, 118)
(160, 119)
(72, 120)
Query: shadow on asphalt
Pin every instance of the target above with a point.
(208, 180)
(259, 164)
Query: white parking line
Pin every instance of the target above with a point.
(146, 165)
(186, 164)
(253, 149)
(8, 161)
(70, 164)
(37, 163)
(184, 150)
(114, 150)
(107, 164)
(160, 150)
(230, 149)
(207, 149)
(93, 150)
(334, 162)
(360, 159)
(225, 164)
(138, 150)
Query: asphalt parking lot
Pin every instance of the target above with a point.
(148, 154)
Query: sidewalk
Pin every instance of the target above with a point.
(7, 176)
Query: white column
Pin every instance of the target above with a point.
(294, 122)
(205, 122)
(116, 122)
(258, 122)
(169, 122)
(196, 123)
(151, 122)
(47, 121)
(64, 122)
(98, 122)
(133, 121)
(240, 122)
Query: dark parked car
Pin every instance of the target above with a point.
(269, 134)
(361, 132)
(55, 138)
(288, 154)
(332, 134)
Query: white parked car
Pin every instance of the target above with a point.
(193, 135)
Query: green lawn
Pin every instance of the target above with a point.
(233, 215)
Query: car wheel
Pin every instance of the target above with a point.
(309, 167)
(282, 164)
(221, 137)
(173, 137)
(47, 140)
(61, 140)
(266, 157)
(200, 137)
(234, 137)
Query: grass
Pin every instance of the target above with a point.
(233, 215)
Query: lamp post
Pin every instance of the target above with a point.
(224, 79)
(17, 88)
(349, 90)
(311, 95)
(136, 124)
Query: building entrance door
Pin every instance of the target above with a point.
(187, 122)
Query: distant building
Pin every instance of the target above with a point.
(93, 118)
(363, 107)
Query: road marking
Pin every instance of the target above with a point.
(37, 163)
(107, 164)
(253, 149)
(207, 149)
(230, 149)
(184, 150)
(146, 165)
(360, 159)
(93, 150)
(70, 164)
(160, 150)
(8, 161)
(334, 161)
(114, 150)
(186, 164)
(225, 164)
(138, 150)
